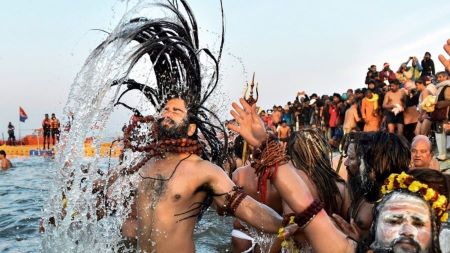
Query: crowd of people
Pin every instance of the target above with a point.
(412, 101)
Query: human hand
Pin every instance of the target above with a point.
(442, 58)
(250, 126)
(350, 229)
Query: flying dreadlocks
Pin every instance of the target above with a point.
(173, 48)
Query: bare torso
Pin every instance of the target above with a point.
(393, 98)
(283, 132)
(169, 200)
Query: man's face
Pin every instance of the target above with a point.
(404, 224)
(174, 120)
(373, 68)
(335, 99)
(352, 163)
(394, 87)
(276, 117)
(441, 78)
(46, 116)
(421, 154)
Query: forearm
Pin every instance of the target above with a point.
(258, 215)
(297, 195)
(322, 225)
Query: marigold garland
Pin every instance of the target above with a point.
(437, 201)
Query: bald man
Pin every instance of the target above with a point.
(422, 154)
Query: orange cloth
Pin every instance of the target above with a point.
(370, 116)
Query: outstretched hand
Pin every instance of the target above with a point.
(442, 58)
(249, 124)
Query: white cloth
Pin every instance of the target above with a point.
(241, 235)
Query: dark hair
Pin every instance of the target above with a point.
(173, 48)
(238, 145)
(2, 152)
(310, 153)
(387, 153)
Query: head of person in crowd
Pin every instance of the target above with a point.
(427, 56)
(372, 84)
(368, 93)
(359, 93)
(336, 98)
(349, 92)
(386, 67)
(2, 155)
(421, 152)
(262, 113)
(384, 87)
(409, 214)
(314, 95)
(353, 147)
(420, 84)
(277, 114)
(53, 116)
(46, 116)
(373, 68)
(402, 68)
(441, 76)
(387, 153)
(310, 152)
(351, 99)
(283, 123)
(395, 85)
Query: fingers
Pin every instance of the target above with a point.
(236, 116)
(234, 128)
(343, 224)
(447, 48)
(444, 62)
(238, 109)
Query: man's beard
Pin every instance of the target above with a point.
(174, 131)
(371, 187)
(400, 245)
(356, 186)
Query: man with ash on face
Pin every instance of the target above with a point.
(408, 217)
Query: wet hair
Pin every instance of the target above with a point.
(238, 146)
(173, 48)
(2, 152)
(387, 153)
(364, 244)
(310, 152)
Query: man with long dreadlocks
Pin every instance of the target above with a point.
(179, 173)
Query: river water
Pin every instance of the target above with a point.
(24, 190)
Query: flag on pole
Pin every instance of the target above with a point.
(22, 114)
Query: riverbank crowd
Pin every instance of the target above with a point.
(278, 177)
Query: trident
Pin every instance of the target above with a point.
(251, 101)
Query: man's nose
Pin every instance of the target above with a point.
(408, 230)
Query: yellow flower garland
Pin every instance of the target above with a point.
(437, 201)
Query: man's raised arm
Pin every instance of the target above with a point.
(233, 201)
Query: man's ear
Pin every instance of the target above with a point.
(192, 128)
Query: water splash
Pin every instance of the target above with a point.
(76, 206)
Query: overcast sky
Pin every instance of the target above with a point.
(315, 46)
